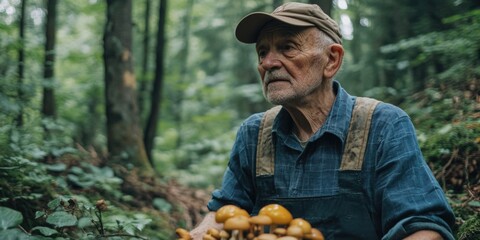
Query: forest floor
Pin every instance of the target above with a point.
(189, 205)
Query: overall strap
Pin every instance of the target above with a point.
(355, 146)
(265, 149)
(354, 151)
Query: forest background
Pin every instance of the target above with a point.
(117, 117)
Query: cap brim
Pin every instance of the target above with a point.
(249, 27)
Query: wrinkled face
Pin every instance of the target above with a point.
(290, 62)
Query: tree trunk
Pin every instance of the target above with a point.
(146, 50)
(326, 5)
(124, 134)
(48, 104)
(156, 97)
(21, 63)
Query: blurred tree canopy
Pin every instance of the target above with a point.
(421, 55)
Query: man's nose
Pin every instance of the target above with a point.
(271, 61)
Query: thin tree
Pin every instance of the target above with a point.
(124, 133)
(145, 57)
(21, 62)
(156, 95)
(48, 103)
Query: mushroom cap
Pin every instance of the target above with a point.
(228, 211)
(260, 220)
(287, 238)
(208, 237)
(315, 234)
(280, 231)
(237, 223)
(214, 232)
(183, 234)
(267, 236)
(302, 223)
(278, 213)
(224, 234)
(295, 231)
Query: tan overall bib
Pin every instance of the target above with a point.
(342, 216)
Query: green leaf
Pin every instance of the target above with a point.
(62, 219)
(474, 203)
(162, 204)
(45, 231)
(81, 182)
(39, 214)
(9, 218)
(54, 203)
(85, 222)
(59, 167)
(129, 228)
(13, 234)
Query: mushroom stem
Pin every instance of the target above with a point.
(234, 235)
(272, 227)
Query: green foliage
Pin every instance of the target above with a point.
(65, 217)
(450, 55)
(10, 218)
(444, 141)
(470, 229)
(86, 176)
(23, 179)
(62, 219)
(199, 164)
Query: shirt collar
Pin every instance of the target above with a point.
(337, 123)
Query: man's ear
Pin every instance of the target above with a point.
(335, 58)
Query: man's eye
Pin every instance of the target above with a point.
(287, 47)
(261, 53)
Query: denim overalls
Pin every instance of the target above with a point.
(342, 216)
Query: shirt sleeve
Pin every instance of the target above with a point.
(407, 194)
(238, 180)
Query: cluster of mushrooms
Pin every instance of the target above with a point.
(272, 222)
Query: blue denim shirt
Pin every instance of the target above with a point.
(399, 185)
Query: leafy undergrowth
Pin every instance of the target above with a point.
(447, 118)
(77, 197)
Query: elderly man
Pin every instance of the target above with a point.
(350, 166)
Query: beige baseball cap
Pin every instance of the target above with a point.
(292, 13)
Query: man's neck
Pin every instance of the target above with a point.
(309, 118)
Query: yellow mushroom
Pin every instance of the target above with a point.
(295, 231)
(183, 234)
(224, 235)
(279, 215)
(214, 233)
(303, 224)
(258, 222)
(267, 236)
(287, 238)
(237, 225)
(208, 237)
(229, 211)
(280, 232)
(315, 234)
